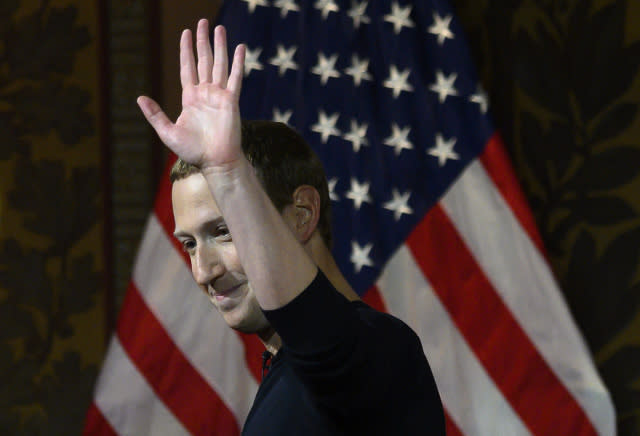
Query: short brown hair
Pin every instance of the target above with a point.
(283, 160)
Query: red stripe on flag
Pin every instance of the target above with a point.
(253, 348)
(96, 424)
(451, 429)
(498, 166)
(498, 341)
(173, 378)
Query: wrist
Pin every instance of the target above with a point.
(225, 170)
(223, 178)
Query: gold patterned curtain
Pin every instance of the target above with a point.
(51, 245)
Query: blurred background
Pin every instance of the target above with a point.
(79, 168)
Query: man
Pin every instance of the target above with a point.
(251, 209)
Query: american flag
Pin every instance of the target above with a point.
(429, 224)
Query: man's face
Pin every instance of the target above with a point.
(216, 268)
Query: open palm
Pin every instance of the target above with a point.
(207, 132)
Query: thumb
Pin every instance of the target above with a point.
(156, 117)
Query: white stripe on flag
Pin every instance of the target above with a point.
(198, 330)
(522, 278)
(128, 402)
(468, 393)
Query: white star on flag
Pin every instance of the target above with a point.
(357, 135)
(398, 138)
(325, 68)
(251, 4)
(358, 70)
(481, 98)
(284, 59)
(326, 125)
(332, 189)
(356, 13)
(286, 6)
(282, 117)
(440, 27)
(398, 81)
(360, 255)
(399, 17)
(444, 85)
(326, 6)
(443, 150)
(399, 204)
(251, 61)
(359, 193)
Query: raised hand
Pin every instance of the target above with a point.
(207, 132)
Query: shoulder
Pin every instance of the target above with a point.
(391, 343)
(400, 372)
(384, 325)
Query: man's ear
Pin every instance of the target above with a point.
(306, 209)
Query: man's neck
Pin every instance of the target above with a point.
(271, 340)
(325, 261)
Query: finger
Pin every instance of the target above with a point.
(237, 71)
(188, 76)
(157, 118)
(220, 65)
(203, 46)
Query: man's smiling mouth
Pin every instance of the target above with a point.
(219, 295)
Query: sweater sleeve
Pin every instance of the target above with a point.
(326, 346)
(316, 321)
(365, 368)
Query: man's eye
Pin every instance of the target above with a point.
(188, 245)
(222, 232)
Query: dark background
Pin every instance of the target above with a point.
(78, 169)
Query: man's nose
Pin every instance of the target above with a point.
(206, 266)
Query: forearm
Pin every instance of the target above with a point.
(276, 264)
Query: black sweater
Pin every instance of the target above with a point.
(344, 368)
